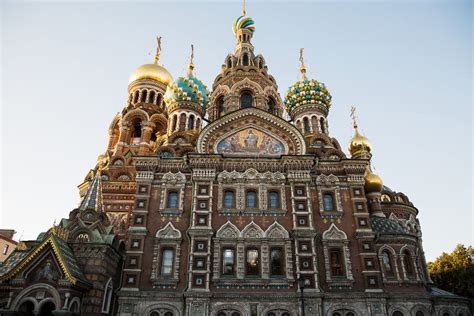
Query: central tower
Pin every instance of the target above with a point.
(244, 80)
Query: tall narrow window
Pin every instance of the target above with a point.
(135, 96)
(246, 100)
(167, 262)
(173, 124)
(336, 262)
(307, 128)
(277, 262)
(107, 297)
(273, 200)
(251, 199)
(245, 60)
(143, 96)
(151, 97)
(387, 263)
(328, 202)
(407, 262)
(271, 105)
(228, 261)
(252, 262)
(220, 106)
(229, 200)
(191, 122)
(182, 122)
(137, 129)
(172, 199)
(322, 123)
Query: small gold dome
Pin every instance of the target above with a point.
(373, 183)
(359, 144)
(151, 71)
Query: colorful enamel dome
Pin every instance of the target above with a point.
(307, 91)
(188, 89)
(243, 22)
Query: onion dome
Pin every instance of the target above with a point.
(373, 183)
(243, 22)
(153, 72)
(359, 144)
(307, 92)
(188, 88)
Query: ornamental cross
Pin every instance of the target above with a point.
(243, 8)
(302, 66)
(158, 49)
(354, 116)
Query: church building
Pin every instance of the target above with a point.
(229, 201)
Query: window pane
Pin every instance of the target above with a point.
(229, 199)
(228, 261)
(273, 201)
(172, 200)
(328, 202)
(336, 262)
(246, 100)
(167, 262)
(252, 262)
(251, 199)
(277, 261)
(387, 264)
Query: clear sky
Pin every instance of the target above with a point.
(406, 65)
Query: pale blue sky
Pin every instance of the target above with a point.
(406, 65)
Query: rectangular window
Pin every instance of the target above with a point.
(328, 202)
(336, 261)
(273, 200)
(277, 262)
(167, 262)
(228, 261)
(172, 200)
(251, 199)
(229, 199)
(252, 262)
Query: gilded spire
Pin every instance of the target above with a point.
(191, 62)
(244, 12)
(302, 65)
(359, 145)
(158, 49)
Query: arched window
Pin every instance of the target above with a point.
(159, 99)
(198, 123)
(228, 261)
(387, 263)
(229, 63)
(167, 262)
(136, 129)
(307, 128)
(220, 105)
(336, 262)
(328, 202)
(173, 124)
(277, 260)
(446, 314)
(135, 96)
(273, 200)
(143, 96)
(419, 313)
(407, 262)
(246, 100)
(107, 296)
(151, 97)
(314, 123)
(172, 199)
(245, 60)
(229, 199)
(251, 199)
(74, 307)
(271, 105)
(323, 125)
(252, 262)
(182, 122)
(168, 314)
(397, 313)
(191, 122)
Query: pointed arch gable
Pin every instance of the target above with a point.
(246, 84)
(168, 232)
(271, 135)
(276, 230)
(252, 230)
(334, 233)
(228, 230)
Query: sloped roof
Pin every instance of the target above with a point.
(434, 291)
(63, 253)
(384, 225)
(93, 197)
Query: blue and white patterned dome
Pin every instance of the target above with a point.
(188, 89)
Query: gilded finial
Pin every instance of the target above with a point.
(354, 117)
(243, 8)
(191, 62)
(158, 49)
(302, 65)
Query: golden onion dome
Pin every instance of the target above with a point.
(153, 72)
(373, 183)
(359, 144)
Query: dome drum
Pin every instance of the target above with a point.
(193, 106)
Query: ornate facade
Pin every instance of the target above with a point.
(226, 203)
